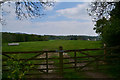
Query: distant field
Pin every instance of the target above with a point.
(51, 45)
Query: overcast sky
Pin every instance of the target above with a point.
(65, 18)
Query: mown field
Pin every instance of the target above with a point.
(51, 45)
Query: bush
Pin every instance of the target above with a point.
(17, 69)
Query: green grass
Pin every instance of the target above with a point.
(54, 45)
(51, 45)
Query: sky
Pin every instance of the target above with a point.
(65, 18)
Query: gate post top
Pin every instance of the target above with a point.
(104, 45)
(60, 48)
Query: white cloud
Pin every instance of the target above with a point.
(58, 28)
(78, 12)
(51, 27)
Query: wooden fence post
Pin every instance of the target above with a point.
(61, 59)
(75, 60)
(46, 62)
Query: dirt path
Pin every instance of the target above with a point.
(49, 66)
(96, 75)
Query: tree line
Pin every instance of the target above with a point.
(22, 37)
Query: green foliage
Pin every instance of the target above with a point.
(99, 25)
(109, 29)
(111, 33)
(17, 69)
(21, 37)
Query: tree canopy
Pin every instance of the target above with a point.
(28, 9)
(107, 21)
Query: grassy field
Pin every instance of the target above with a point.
(54, 45)
(51, 45)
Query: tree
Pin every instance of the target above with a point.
(109, 30)
(99, 10)
(107, 18)
(29, 9)
(111, 34)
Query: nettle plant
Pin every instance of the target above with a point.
(17, 69)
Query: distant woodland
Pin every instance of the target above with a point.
(23, 37)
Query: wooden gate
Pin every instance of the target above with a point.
(79, 60)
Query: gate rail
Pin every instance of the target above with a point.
(61, 57)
